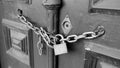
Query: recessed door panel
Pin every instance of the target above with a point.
(36, 14)
(110, 7)
(18, 41)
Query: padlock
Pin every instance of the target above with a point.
(60, 48)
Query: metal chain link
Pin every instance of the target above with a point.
(86, 35)
(40, 46)
(39, 31)
(89, 35)
(71, 38)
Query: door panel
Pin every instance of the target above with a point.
(36, 14)
(82, 20)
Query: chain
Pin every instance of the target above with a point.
(51, 40)
(39, 31)
(86, 35)
(40, 46)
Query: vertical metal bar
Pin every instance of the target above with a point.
(52, 7)
(53, 27)
(51, 57)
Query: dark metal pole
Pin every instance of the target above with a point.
(53, 7)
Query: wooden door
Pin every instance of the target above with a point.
(86, 15)
(18, 42)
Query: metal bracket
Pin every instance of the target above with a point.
(66, 25)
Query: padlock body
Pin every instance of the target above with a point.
(60, 48)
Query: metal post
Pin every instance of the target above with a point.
(53, 7)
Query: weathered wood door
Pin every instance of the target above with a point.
(18, 43)
(86, 15)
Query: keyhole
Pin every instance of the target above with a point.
(66, 25)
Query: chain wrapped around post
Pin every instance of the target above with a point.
(50, 39)
(39, 31)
